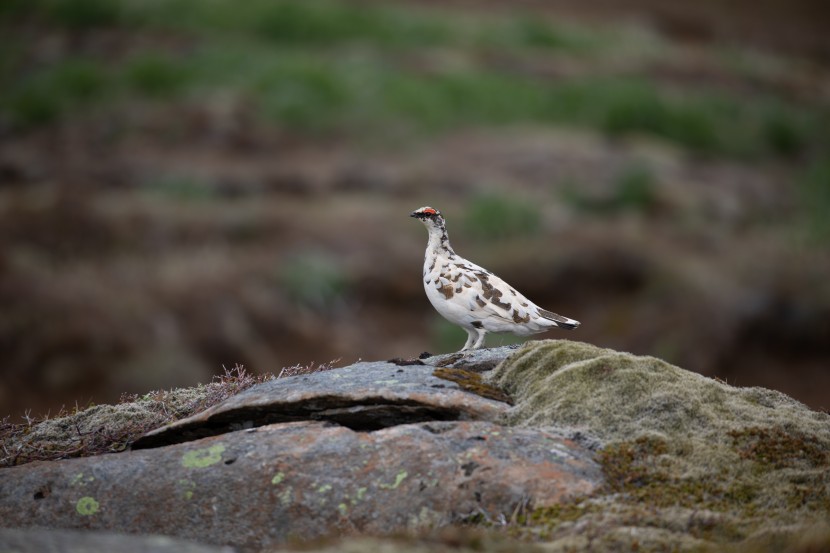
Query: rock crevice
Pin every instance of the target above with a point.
(363, 397)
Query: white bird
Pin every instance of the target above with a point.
(474, 298)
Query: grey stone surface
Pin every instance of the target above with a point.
(363, 396)
(480, 360)
(260, 487)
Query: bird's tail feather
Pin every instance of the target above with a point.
(561, 322)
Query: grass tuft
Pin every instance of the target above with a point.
(98, 429)
(300, 369)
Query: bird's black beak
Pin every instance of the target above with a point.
(415, 214)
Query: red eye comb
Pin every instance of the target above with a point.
(430, 211)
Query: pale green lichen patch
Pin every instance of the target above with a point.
(361, 492)
(343, 508)
(324, 488)
(286, 496)
(400, 477)
(205, 457)
(279, 477)
(87, 506)
(80, 480)
(689, 462)
(187, 488)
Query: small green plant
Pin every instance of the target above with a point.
(12, 9)
(154, 75)
(48, 94)
(634, 190)
(181, 188)
(32, 106)
(639, 107)
(83, 14)
(534, 32)
(501, 217)
(324, 22)
(79, 80)
(783, 132)
(815, 201)
(314, 281)
(303, 94)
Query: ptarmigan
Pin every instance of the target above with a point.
(474, 298)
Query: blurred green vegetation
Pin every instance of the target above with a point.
(155, 75)
(45, 95)
(445, 336)
(179, 187)
(815, 199)
(313, 280)
(500, 217)
(327, 66)
(633, 190)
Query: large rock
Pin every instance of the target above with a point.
(363, 396)
(654, 458)
(262, 486)
(372, 448)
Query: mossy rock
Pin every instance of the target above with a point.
(676, 444)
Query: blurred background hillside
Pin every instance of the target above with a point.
(187, 184)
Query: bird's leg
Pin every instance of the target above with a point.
(471, 335)
(480, 338)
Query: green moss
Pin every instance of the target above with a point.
(472, 382)
(778, 448)
(677, 444)
(555, 515)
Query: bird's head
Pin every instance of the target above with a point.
(430, 217)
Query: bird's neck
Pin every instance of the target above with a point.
(439, 242)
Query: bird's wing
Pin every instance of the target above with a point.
(485, 295)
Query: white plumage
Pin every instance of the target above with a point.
(473, 297)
